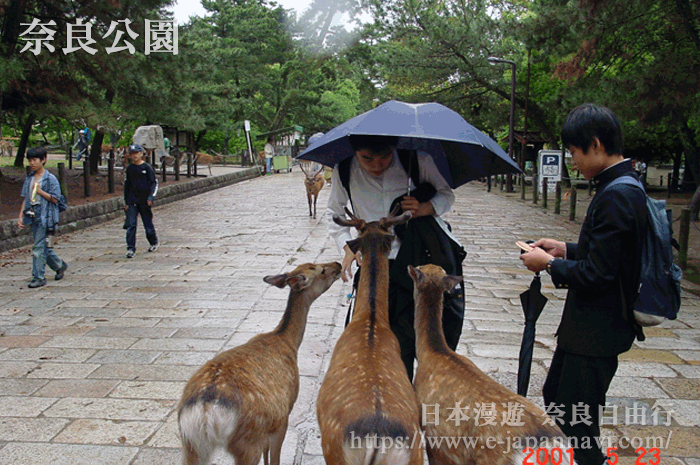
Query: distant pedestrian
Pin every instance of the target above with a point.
(140, 188)
(82, 144)
(642, 170)
(41, 193)
(269, 153)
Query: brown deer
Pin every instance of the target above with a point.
(313, 183)
(452, 390)
(177, 158)
(6, 147)
(366, 408)
(241, 399)
(206, 159)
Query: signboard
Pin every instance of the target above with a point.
(550, 166)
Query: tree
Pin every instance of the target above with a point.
(641, 58)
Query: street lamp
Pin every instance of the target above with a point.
(494, 61)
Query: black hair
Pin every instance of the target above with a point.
(588, 121)
(37, 152)
(374, 143)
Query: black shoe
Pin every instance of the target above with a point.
(130, 253)
(36, 283)
(61, 271)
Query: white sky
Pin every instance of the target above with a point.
(186, 8)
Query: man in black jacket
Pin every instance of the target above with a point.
(602, 273)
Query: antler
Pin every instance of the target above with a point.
(393, 220)
(353, 222)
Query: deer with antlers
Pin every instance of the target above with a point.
(367, 409)
(313, 184)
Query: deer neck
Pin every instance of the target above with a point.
(430, 337)
(373, 288)
(293, 323)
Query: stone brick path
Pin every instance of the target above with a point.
(92, 367)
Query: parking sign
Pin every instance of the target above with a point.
(550, 167)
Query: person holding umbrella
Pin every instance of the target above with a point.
(601, 271)
(378, 180)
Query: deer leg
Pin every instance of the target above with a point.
(276, 441)
(308, 198)
(315, 199)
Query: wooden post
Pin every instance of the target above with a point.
(488, 183)
(86, 178)
(522, 187)
(63, 180)
(683, 236)
(189, 164)
(70, 157)
(164, 167)
(110, 171)
(668, 190)
(557, 198)
(535, 188)
(176, 167)
(572, 199)
(544, 192)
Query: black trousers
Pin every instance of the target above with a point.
(401, 311)
(132, 216)
(575, 380)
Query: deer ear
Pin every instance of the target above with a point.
(451, 281)
(298, 282)
(417, 275)
(354, 245)
(279, 280)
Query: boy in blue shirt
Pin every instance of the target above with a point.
(140, 188)
(41, 193)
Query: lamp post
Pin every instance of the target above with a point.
(494, 61)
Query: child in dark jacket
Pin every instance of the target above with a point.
(140, 188)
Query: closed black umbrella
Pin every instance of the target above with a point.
(533, 302)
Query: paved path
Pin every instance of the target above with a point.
(92, 367)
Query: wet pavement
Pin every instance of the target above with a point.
(92, 367)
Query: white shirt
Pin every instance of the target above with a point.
(372, 196)
(269, 150)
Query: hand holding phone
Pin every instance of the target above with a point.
(525, 247)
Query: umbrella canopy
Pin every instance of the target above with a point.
(461, 152)
(533, 302)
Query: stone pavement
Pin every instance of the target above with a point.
(92, 367)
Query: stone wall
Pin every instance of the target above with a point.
(90, 214)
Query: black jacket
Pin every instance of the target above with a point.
(140, 184)
(604, 264)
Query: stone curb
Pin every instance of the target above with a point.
(91, 214)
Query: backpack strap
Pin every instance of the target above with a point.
(409, 163)
(344, 174)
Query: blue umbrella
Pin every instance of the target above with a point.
(461, 152)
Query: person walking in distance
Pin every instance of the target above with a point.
(140, 188)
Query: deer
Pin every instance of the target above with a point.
(206, 159)
(241, 399)
(313, 183)
(172, 160)
(6, 147)
(449, 385)
(366, 408)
